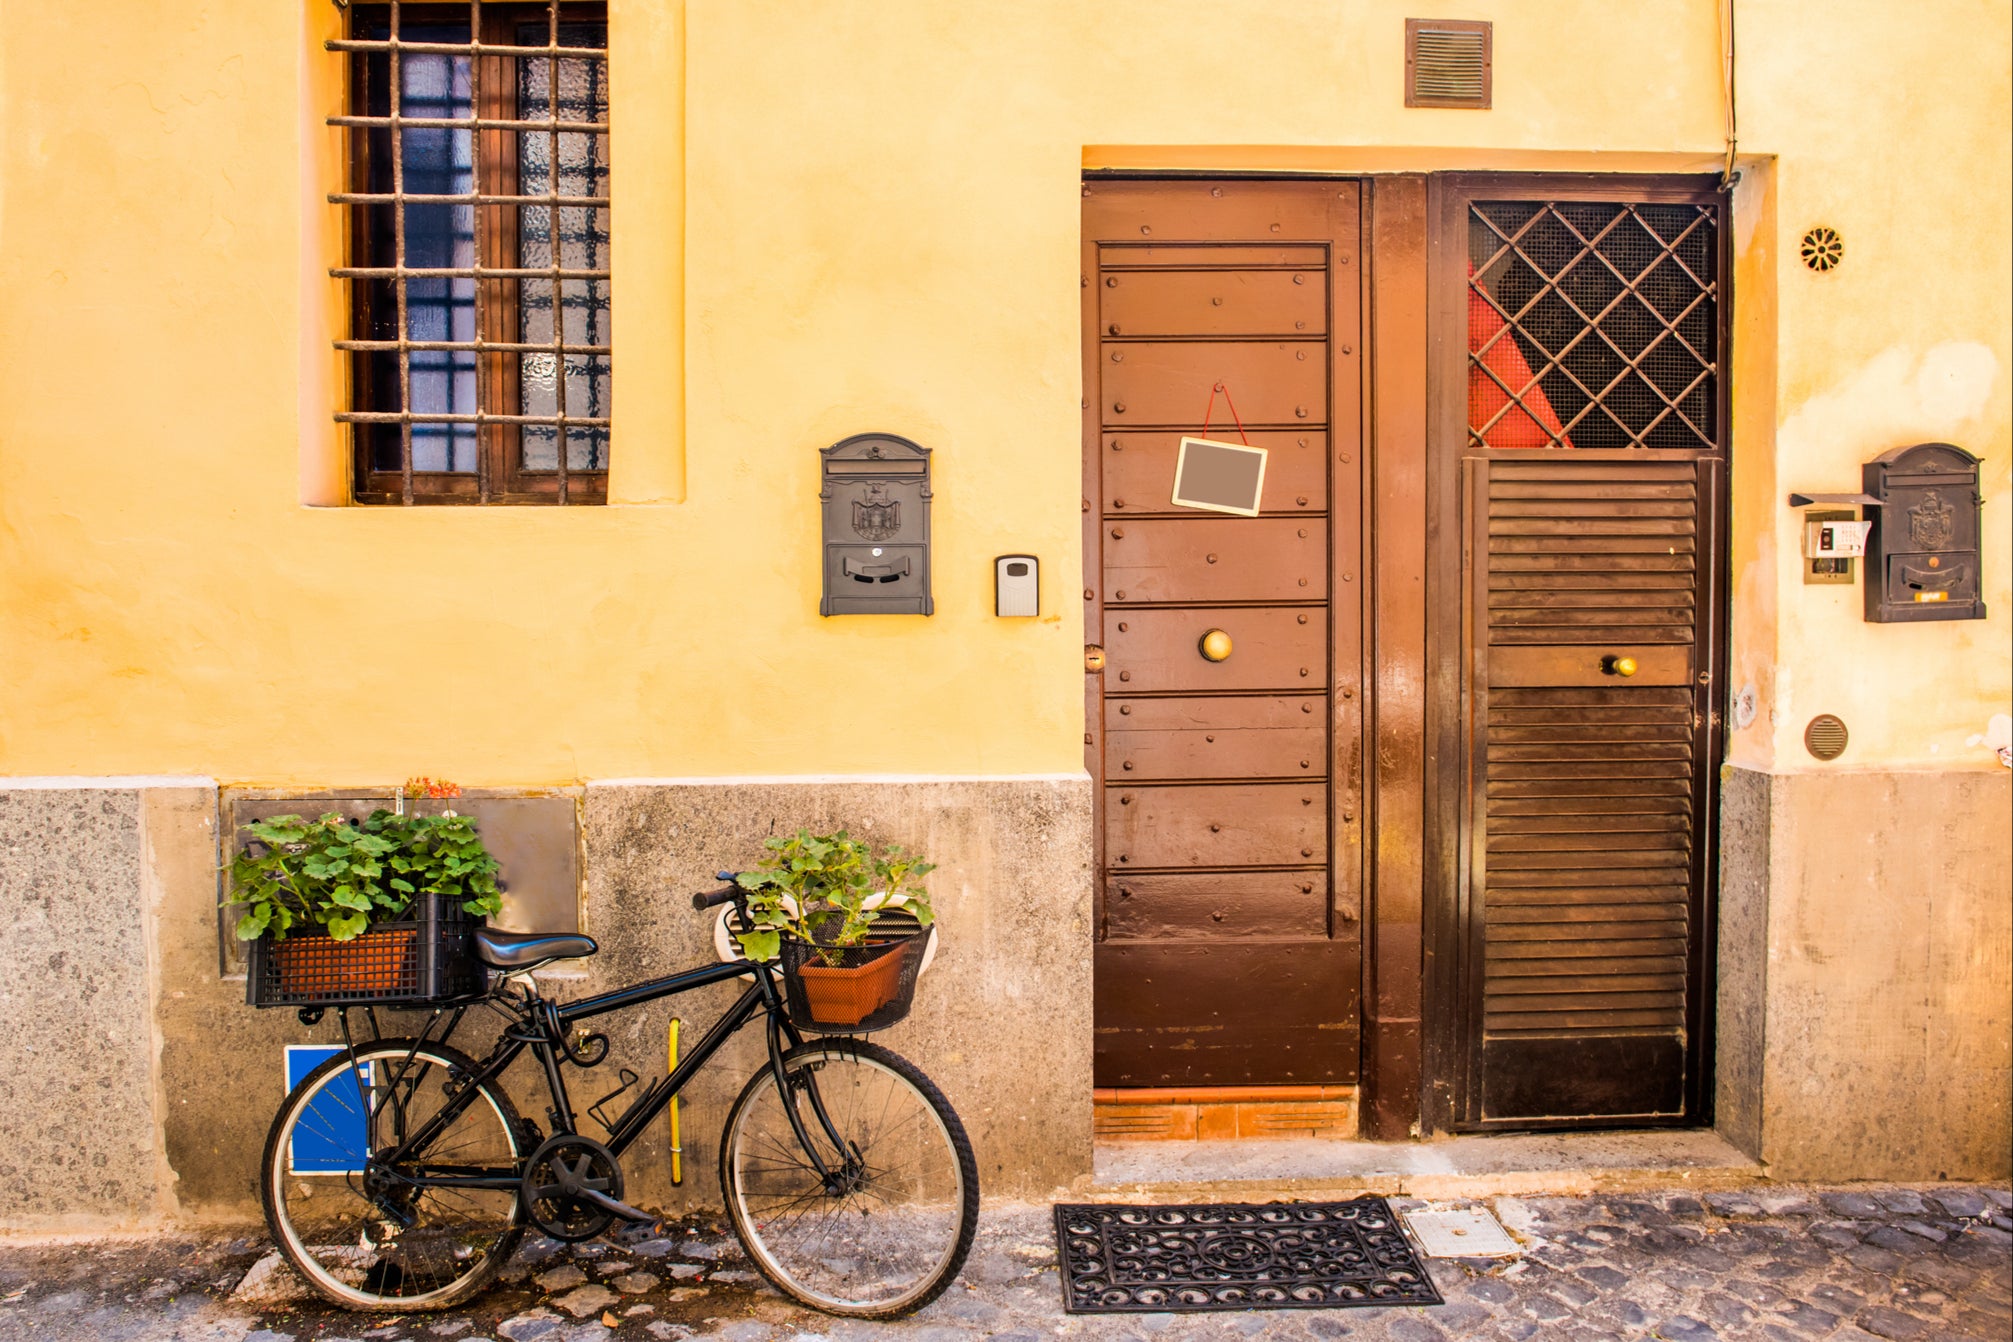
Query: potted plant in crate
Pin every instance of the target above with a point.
(814, 900)
(362, 910)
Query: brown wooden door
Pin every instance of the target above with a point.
(1588, 461)
(1230, 854)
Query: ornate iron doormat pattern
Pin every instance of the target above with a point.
(1304, 1255)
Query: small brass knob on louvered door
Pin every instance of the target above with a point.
(1618, 666)
(1093, 658)
(1214, 645)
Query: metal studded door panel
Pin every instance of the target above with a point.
(1230, 856)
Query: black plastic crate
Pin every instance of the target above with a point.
(427, 956)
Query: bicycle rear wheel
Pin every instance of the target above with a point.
(887, 1228)
(357, 1229)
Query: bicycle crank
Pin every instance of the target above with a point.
(572, 1189)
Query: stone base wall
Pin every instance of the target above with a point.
(76, 1030)
(1866, 974)
(140, 1086)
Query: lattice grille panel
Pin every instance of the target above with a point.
(1593, 325)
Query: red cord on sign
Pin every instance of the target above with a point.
(1209, 409)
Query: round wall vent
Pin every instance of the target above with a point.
(1823, 248)
(1825, 737)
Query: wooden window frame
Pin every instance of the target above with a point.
(499, 476)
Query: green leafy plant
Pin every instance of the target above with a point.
(347, 874)
(828, 890)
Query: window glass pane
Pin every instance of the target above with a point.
(567, 164)
(437, 161)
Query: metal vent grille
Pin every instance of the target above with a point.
(1447, 63)
(1825, 737)
(1593, 325)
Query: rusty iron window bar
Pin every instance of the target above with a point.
(1593, 324)
(478, 137)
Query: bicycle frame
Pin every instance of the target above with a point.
(543, 1026)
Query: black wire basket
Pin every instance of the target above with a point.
(870, 987)
(427, 956)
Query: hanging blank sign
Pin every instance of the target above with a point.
(1220, 477)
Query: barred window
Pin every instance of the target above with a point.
(1593, 325)
(478, 251)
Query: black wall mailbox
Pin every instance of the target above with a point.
(1922, 555)
(877, 527)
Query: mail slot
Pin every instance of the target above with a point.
(1922, 555)
(876, 499)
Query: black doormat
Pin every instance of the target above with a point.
(1284, 1255)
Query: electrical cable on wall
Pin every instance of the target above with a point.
(1726, 45)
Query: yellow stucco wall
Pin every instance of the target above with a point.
(833, 216)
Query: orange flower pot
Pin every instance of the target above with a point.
(383, 961)
(849, 996)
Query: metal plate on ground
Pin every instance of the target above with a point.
(1307, 1255)
(1460, 1234)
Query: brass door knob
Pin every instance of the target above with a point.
(1618, 666)
(1214, 645)
(1093, 658)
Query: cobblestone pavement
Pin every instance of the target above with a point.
(1784, 1264)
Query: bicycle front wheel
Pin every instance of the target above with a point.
(885, 1226)
(376, 1233)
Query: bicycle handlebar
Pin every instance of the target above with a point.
(712, 898)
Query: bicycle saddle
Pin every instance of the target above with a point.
(528, 950)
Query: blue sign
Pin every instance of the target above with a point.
(329, 1137)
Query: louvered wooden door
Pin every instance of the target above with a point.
(1591, 604)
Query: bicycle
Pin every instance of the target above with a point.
(398, 1174)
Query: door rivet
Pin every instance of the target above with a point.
(1089, 595)
(1302, 619)
(1303, 764)
(1118, 503)
(1215, 828)
(1209, 738)
(1118, 407)
(1111, 281)
(1122, 626)
(1348, 694)
(1216, 302)
(1218, 916)
(1118, 533)
(1299, 326)
(1215, 190)
(1347, 350)
(1344, 260)
(1304, 852)
(1348, 815)
(1124, 709)
(1303, 581)
(1300, 279)
(1307, 887)
(1275, 228)
(1306, 708)
(1301, 355)
(1144, 229)
(1128, 764)
(1126, 800)
(1118, 356)
(1125, 675)
(1348, 577)
(1300, 410)
(1113, 328)
(1119, 595)
(1303, 670)
(1211, 558)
